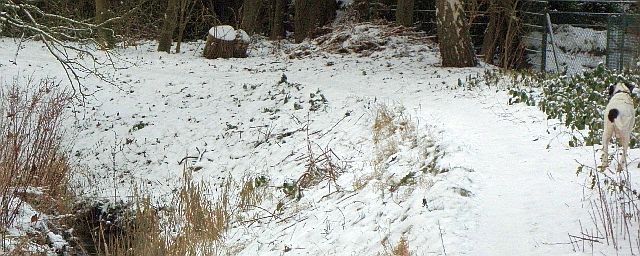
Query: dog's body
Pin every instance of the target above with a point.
(619, 119)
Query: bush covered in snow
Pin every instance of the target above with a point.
(577, 101)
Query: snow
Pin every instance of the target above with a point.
(510, 187)
(243, 36)
(528, 194)
(23, 225)
(224, 32)
(57, 241)
(576, 39)
(345, 3)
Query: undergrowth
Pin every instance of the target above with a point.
(194, 223)
(34, 166)
(321, 163)
(577, 101)
(614, 212)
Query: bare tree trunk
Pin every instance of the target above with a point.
(184, 17)
(251, 16)
(456, 49)
(512, 49)
(277, 19)
(303, 19)
(168, 25)
(311, 14)
(404, 13)
(326, 12)
(105, 36)
(502, 37)
(491, 39)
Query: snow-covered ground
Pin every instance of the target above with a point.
(507, 184)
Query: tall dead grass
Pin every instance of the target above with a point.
(391, 129)
(33, 163)
(195, 223)
(614, 212)
(400, 249)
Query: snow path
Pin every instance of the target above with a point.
(527, 195)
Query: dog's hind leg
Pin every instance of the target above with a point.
(606, 137)
(624, 140)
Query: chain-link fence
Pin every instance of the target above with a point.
(569, 36)
(623, 42)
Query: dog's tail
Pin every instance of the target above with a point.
(613, 113)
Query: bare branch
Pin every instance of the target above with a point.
(68, 40)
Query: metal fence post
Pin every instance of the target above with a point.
(624, 25)
(543, 64)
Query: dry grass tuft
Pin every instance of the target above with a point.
(321, 164)
(137, 232)
(199, 224)
(391, 129)
(383, 125)
(202, 220)
(395, 137)
(402, 248)
(252, 192)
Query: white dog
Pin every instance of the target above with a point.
(619, 119)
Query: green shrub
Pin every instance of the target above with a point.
(577, 101)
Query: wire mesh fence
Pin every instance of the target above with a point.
(534, 29)
(569, 36)
(623, 42)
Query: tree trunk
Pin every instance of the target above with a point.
(311, 14)
(225, 42)
(326, 12)
(106, 39)
(456, 49)
(404, 13)
(184, 17)
(251, 16)
(277, 19)
(502, 37)
(495, 28)
(168, 25)
(303, 19)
